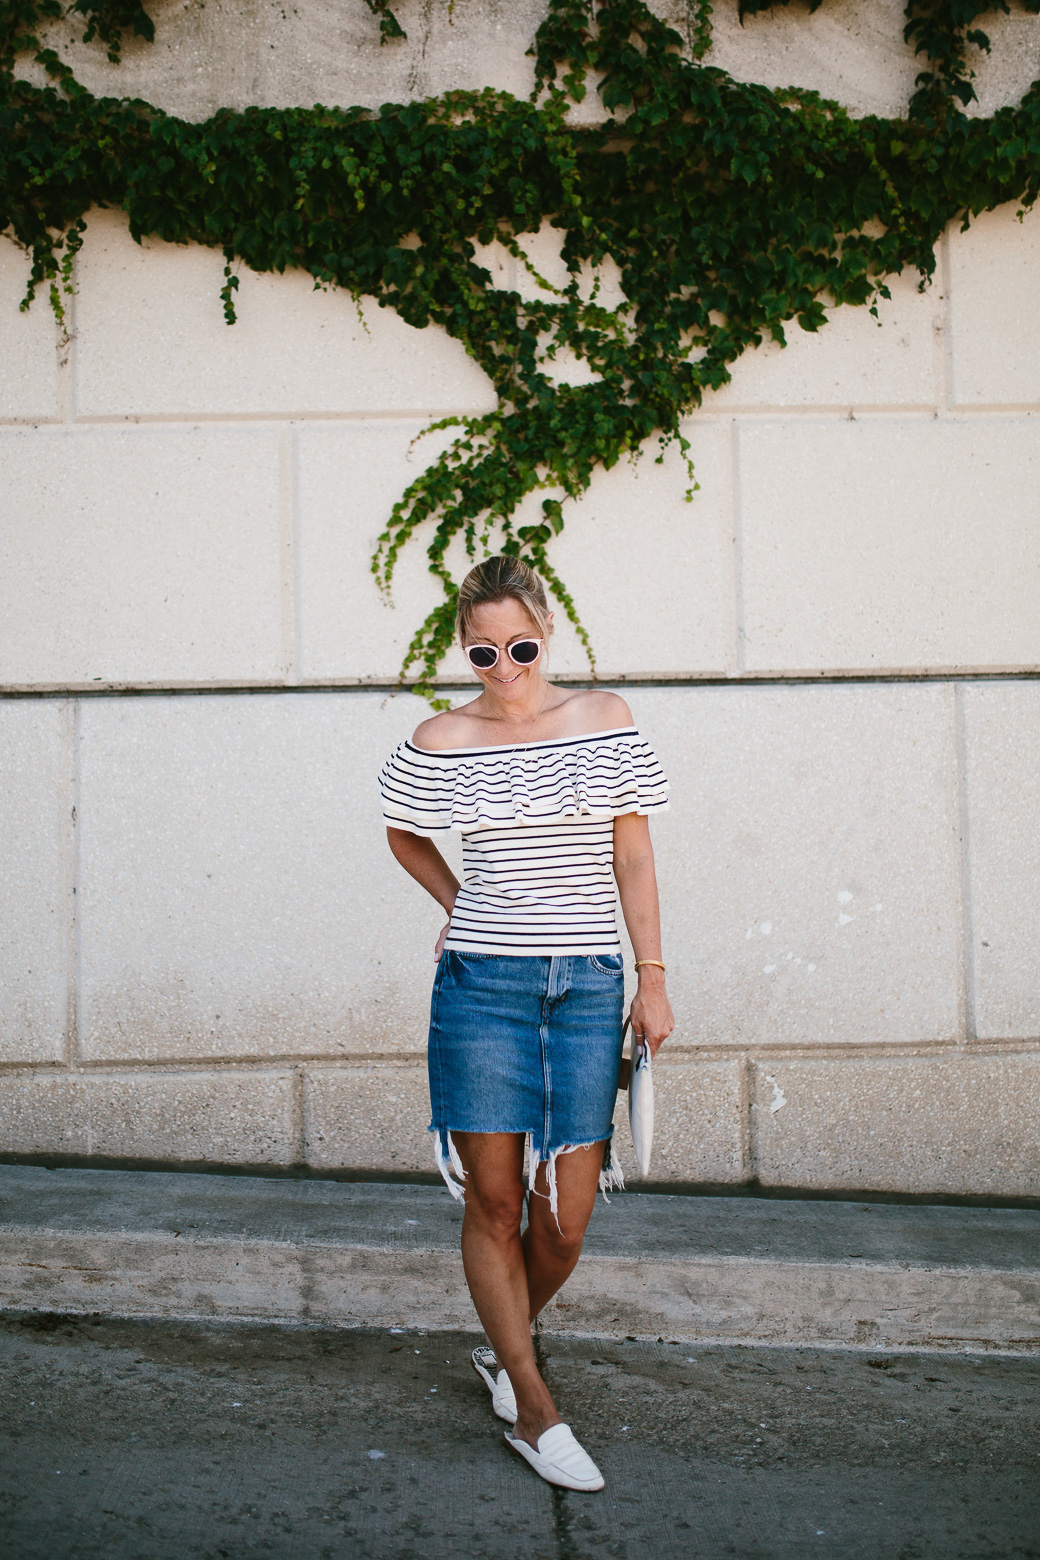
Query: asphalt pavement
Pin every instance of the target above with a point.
(162, 1440)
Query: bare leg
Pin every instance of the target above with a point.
(511, 1280)
(551, 1250)
(495, 1272)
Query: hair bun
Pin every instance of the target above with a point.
(503, 578)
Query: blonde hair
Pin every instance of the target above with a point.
(503, 578)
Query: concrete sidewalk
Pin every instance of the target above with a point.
(159, 1440)
(708, 1268)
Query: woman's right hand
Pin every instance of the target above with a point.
(442, 939)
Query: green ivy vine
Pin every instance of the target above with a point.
(730, 210)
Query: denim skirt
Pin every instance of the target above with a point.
(526, 1044)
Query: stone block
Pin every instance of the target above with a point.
(140, 555)
(995, 330)
(351, 476)
(28, 344)
(1004, 74)
(634, 527)
(852, 50)
(242, 52)
(955, 1123)
(237, 895)
(35, 878)
(810, 862)
(698, 1123)
(368, 1118)
(152, 341)
(222, 1118)
(888, 544)
(1002, 744)
(855, 360)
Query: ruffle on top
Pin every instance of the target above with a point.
(599, 775)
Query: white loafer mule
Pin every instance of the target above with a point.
(503, 1399)
(560, 1459)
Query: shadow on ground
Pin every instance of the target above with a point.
(193, 1441)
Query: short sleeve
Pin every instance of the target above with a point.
(640, 778)
(417, 790)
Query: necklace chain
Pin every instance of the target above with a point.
(538, 712)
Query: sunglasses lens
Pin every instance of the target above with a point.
(525, 652)
(482, 656)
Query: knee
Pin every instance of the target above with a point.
(497, 1213)
(563, 1245)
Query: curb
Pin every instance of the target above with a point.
(153, 1244)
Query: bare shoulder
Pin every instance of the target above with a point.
(594, 709)
(449, 729)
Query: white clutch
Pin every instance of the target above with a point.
(640, 1102)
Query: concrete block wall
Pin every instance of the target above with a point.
(206, 953)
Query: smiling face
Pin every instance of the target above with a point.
(501, 623)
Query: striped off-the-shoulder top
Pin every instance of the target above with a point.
(537, 834)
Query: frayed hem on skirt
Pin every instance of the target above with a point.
(611, 1176)
(447, 1157)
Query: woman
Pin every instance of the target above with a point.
(550, 788)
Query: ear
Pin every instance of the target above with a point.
(549, 625)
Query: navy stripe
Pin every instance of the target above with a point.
(537, 825)
(524, 747)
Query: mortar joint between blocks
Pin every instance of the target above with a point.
(748, 1156)
(70, 803)
(945, 388)
(968, 993)
(298, 1122)
(739, 631)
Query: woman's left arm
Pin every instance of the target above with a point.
(637, 884)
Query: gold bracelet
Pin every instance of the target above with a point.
(656, 962)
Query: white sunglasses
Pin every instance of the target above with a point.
(523, 652)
